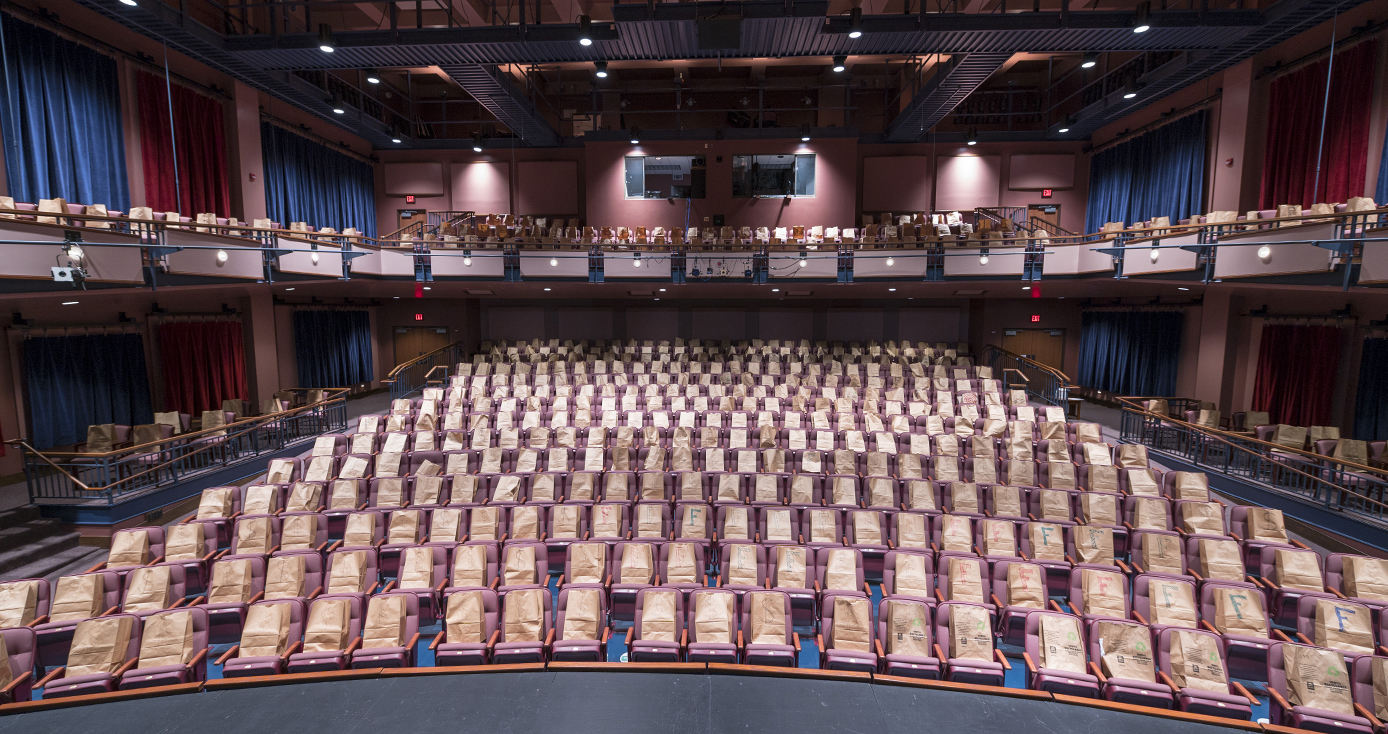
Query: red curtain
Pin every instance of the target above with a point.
(204, 364)
(1294, 125)
(1296, 373)
(202, 156)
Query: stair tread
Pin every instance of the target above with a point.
(35, 551)
(76, 559)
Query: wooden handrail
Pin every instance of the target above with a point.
(394, 374)
(1028, 361)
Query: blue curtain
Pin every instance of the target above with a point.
(310, 182)
(1381, 190)
(61, 121)
(71, 382)
(333, 348)
(1371, 409)
(1157, 174)
(1131, 352)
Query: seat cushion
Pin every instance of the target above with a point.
(850, 660)
(461, 653)
(313, 662)
(79, 685)
(913, 666)
(988, 673)
(259, 665)
(161, 675)
(1327, 721)
(1063, 681)
(1145, 693)
(381, 657)
(705, 651)
(1213, 703)
(576, 651)
(776, 655)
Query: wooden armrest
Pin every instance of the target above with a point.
(1304, 639)
(38, 621)
(549, 638)
(1382, 650)
(1002, 659)
(1098, 673)
(364, 505)
(197, 658)
(1073, 608)
(353, 647)
(1196, 574)
(606, 633)
(1135, 565)
(867, 589)
(19, 680)
(1368, 715)
(298, 645)
(316, 592)
(57, 673)
(1235, 536)
(1263, 582)
(684, 637)
(1123, 566)
(1138, 616)
(1209, 627)
(819, 642)
(1169, 683)
(414, 641)
(437, 639)
(1252, 701)
(1274, 695)
(441, 586)
(880, 652)
(938, 596)
(374, 586)
(1299, 544)
(561, 580)
(210, 556)
(1056, 605)
(996, 602)
(110, 611)
(1337, 594)
(96, 568)
(939, 654)
(495, 582)
(389, 585)
(156, 561)
(631, 632)
(795, 642)
(1069, 560)
(229, 654)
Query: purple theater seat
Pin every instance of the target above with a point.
(578, 650)
(524, 651)
(1054, 680)
(1281, 711)
(393, 657)
(245, 667)
(447, 654)
(323, 660)
(166, 675)
(643, 650)
(1197, 700)
(909, 666)
(832, 657)
(57, 685)
(782, 654)
(711, 651)
(21, 644)
(1139, 692)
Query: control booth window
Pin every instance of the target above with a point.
(665, 176)
(773, 175)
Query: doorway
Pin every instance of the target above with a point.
(1046, 346)
(410, 216)
(417, 341)
(1047, 215)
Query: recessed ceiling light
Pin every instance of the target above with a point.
(1026, 287)
(427, 288)
(775, 290)
(1182, 289)
(289, 289)
(70, 303)
(662, 290)
(397, 298)
(546, 290)
(893, 290)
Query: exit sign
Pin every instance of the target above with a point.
(1036, 317)
(420, 317)
(410, 198)
(1045, 194)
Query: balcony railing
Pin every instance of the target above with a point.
(69, 477)
(1043, 382)
(427, 370)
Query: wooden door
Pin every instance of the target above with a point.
(410, 216)
(417, 341)
(1048, 213)
(1046, 346)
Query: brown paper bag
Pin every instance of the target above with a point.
(715, 618)
(1172, 603)
(999, 538)
(100, 438)
(304, 497)
(1161, 553)
(348, 573)
(299, 532)
(18, 603)
(583, 615)
(852, 626)
(1196, 662)
(128, 548)
(1062, 647)
(1366, 578)
(470, 565)
(1132, 456)
(1055, 505)
(1142, 482)
(1047, 541)
(327, 628)
(970, 632)
(1149, 513)
(184, 542)
(1099, 509)
(768, 618)
(167, 639)
(791, 568)
(588, 562)
(658, 616)
(284, 578)
(841, 572)
(1379, 669)
(1103, 593)
(1344, 626)
(1240, 612)
(1202, 518)
(956, 533)
(1127, 651)
(385, 623)
(147, 589)
(1026, 586)
(908, 628)
(1266, 524)
(99, 645)
(520, 566)
(1094, 545)
(1317, 679)
(638, 565)
(1298, 569)
(465, 618)
(231, 582)
(966, 580)
(417, 568)
(216, 502)
(682, 565)
(253, 536)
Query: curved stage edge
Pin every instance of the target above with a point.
(579, 698)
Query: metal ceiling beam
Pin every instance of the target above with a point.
(950, 85)
(493, 90)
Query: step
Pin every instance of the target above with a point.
(19, 515)
(35, 552)
(29, 532)
(73, 560)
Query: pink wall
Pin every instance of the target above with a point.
(832, 205)
(897, 183)
(547, 187)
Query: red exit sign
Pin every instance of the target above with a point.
(409, 199)
(1045, 193)
(420, 317)
(1036, 317)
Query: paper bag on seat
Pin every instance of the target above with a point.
(18, 603)
(231, 582)
(658, 616)
(129, 548)
(167, 639)
(465, 619)
(147, 589)
(1343, 626)
(1317, 679)
(1366, 578)
(1240, 612)
(284, 577)
(1196, 662)
(1061, 644)
(328, 625)
(99, 645)
(715, 618)
(970, 632)
(385, 623)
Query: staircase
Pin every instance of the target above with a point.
(35, 547)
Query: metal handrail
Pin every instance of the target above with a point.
(401, 380)
(1056, 386)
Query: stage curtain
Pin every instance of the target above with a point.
(62, 120)
(1157, 174)
(71, 382)
(310, 182)
(1371, 400)
(1132, 353)
(202, 154)
(333, 348)
(1381, 190)
(1295, 382)
(1294, 125)
(204, 363)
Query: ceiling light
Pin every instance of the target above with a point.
(554, 262)
(805, 133)
(840, 63)
(1130, 89)
(427, 288)
(1182, 288)
(74, 303)
(585, 30)
(131, 3)
(891, 262)
(396, 297)
(1064, 130)
(336, 103)
(395, 140)
(1155, 253)
(290, 289)
(775, 290)
(1264, 252)
(893, 290)
(1090, 59)
(662, 290)
(973, 136)
(546, 290)
(373, 77)
(601, 67)
(1141, 23)
(635, 135)
(477, 142)
(855, 23)
(314, 258)
(1026, 287)
(222, 256)
(325, 38)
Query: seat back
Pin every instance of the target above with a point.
(546, 616)
(641, 605)
(562, 607)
